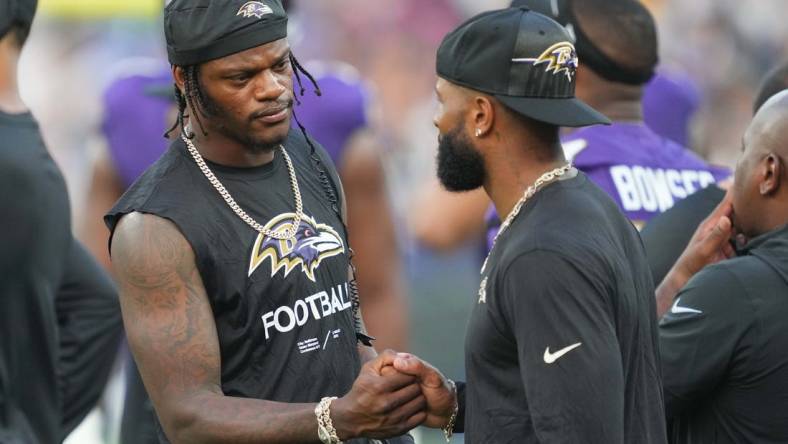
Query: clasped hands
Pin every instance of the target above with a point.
(393, 394)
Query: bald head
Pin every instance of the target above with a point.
(768, 131)
(760, 191)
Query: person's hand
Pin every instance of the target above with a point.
(380, 404)
(710, 243)
(441, 396)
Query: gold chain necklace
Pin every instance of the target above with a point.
(543, 180)
(280, 235)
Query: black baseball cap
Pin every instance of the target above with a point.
(524, 59)
(199, 31)
(16, 11)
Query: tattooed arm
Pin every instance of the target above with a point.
(172, 334)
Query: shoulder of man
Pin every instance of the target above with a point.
(547, 286)
(534, 264)
(170, 167)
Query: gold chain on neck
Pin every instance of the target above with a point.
(543, 180)
(285, 234)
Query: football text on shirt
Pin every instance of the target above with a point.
(316, 306)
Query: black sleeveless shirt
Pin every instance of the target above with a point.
(283, 312)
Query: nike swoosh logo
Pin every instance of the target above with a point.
(549, 358)
(676, 309)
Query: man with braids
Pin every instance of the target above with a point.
(136, 108)
(232, 255)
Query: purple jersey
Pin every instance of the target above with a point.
(644, 173)
(135, 120)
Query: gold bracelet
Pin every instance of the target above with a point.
(448, 431)
(325, 427)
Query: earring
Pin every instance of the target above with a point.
(478, 132)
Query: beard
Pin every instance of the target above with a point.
(460, 166)
(239, 131)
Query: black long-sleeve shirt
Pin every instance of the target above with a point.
(562, 343)
(724, 344)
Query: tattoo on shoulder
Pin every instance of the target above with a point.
(149, 251)
(165, 306)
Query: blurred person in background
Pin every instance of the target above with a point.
(137, 108)
(59, 314)
(645, 172)
(666, 235)
(723, 333)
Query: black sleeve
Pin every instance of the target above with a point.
(699, 336)
(568, 351)
(88, 314)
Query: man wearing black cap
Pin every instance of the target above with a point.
(232, 256)
(562, 343)
(59, 314)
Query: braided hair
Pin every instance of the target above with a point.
(192, 97)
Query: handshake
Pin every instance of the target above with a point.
(393, 394)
